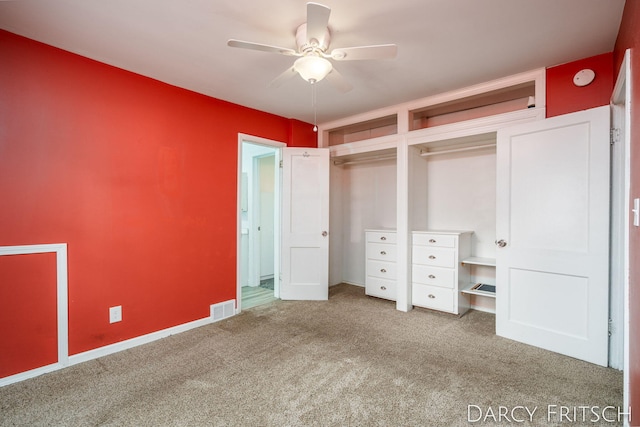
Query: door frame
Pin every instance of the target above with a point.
(277, 145)
(621, 114)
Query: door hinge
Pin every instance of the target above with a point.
(614, 135)
(280, 164)
(610, 327)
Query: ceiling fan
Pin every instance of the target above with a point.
(312, 39)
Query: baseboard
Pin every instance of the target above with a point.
(16, 378)
(135, 342)
(353, 283)
(481, 308)
(218, 312)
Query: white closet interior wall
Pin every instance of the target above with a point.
(363, 195)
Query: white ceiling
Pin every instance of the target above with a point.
(442, 44)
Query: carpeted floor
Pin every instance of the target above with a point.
(349, 361)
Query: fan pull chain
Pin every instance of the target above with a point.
(313, 101)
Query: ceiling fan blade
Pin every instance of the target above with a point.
(286, 75)
(381, 51)
(317, 22)
(262, 47)
(338, 81)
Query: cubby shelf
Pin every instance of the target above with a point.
(491, 262)
(473, 290)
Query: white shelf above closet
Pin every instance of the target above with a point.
(366, 157)
(365, 147)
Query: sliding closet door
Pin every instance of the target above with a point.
(553, 234)
(305, 224)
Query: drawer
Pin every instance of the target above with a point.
(438, 240)
(437, 257)
(432, 297)
(381, 288)
(381, 269)
(381, 236)
(381, 251)
(443, 277)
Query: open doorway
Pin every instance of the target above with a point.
(259, 202)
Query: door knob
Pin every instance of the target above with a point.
(501, 243)
(325, 234)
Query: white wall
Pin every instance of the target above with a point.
(367, 199)
(266, 165)
(461, 195)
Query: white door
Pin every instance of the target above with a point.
(305, 224)
(553, 234)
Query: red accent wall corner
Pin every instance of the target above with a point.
(564, 97)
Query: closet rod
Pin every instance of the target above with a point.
(366, 160)
(454, 150)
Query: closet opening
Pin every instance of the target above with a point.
(363, 201)
(453, 188)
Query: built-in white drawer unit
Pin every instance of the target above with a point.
(433, 297)
(437, 276)
(381, 263)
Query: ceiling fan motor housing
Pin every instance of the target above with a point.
(306, 46)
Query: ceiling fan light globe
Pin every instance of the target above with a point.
(313, 68)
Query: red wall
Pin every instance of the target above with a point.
(28, 326)
(629, 37)
(137, 176)
(564, 97)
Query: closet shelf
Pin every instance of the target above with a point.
(479, 289)
(491, 262)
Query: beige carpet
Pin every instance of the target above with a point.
(350, 361)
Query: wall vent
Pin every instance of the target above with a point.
(222, 310)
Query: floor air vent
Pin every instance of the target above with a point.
(223, 310)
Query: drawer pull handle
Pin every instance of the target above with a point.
(382, 270)
(432, 240)
(431, 276)
(383, 253)
(384, 288)
(432, 296)
(383, 238)
(432, 257)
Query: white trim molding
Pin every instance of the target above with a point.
(62, 311)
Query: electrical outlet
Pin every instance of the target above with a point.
(115, 314)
